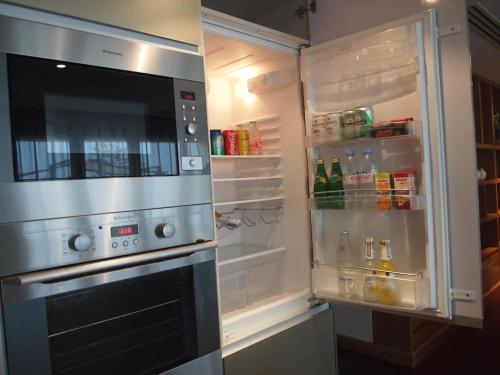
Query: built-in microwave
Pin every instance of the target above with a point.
(91, 124)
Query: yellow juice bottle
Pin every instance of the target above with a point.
(387, 292)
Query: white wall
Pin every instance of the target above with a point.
(335, 18)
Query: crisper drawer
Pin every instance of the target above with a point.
(360, 286)
(249, 274)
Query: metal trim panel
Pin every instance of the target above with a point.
(51, 42)
(26, 201)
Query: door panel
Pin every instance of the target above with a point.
(308, 348)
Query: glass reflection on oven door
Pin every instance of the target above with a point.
(140, 325)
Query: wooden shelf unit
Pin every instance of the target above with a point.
(486, 97)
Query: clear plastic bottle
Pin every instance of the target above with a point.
(350, 174)
(366, 180)
(255, 139)
(348, 285)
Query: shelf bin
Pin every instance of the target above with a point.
(252, 275)
(396, 291)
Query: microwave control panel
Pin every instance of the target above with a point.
(192, 127)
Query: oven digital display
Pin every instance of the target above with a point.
(124, 230)
(188, 95)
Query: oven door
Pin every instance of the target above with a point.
(159, 317)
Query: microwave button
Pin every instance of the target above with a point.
(136, 242)
(193, 107)
(191, 128)
(114, 245)
(192, 163)
(125, 243)
(183, 106)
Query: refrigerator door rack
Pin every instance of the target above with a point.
(394, 291)
(381, 133)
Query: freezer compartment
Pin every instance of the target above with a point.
(249, 274)
(395, 290)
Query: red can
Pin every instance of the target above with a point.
(230, 142)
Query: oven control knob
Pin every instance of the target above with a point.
(191, 128)
(165, 230)
(80, 242)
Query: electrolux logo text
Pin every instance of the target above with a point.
(112, 52)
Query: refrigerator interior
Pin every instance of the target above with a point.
(264, 234)
(380, 70)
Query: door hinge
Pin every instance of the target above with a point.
(449, 30)
(463, 295)
(315, 301)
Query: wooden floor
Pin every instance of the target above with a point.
(466, 351)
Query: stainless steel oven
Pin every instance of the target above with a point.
(143, 314)
(91, 124)
(107, 260)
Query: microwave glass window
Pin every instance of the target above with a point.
(79, 121)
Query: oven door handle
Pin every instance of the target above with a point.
(106, 265)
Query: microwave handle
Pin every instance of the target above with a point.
(105, 265)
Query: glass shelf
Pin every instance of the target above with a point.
(352, 284)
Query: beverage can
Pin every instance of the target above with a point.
(318, 125)
(230, 142)
(349, 125)
(216, 142)
(243, 138)
(333, 125)
(363, 119)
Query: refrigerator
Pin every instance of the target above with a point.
(281, 239)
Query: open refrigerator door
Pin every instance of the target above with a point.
(379, 213)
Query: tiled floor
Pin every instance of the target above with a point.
(466, 351)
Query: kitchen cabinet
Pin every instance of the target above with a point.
(171, 19)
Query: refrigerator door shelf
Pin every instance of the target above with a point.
(342, 200)
(405, 132)
(397, 291)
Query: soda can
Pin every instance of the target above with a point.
(230, 142)
(243, 142)
(216, 142)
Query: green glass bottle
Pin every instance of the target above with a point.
(321, 185)
(336, 186)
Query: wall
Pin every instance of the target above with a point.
(336, 18)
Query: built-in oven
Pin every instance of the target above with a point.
(107, 260)
(149, 313)
(91, 124)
